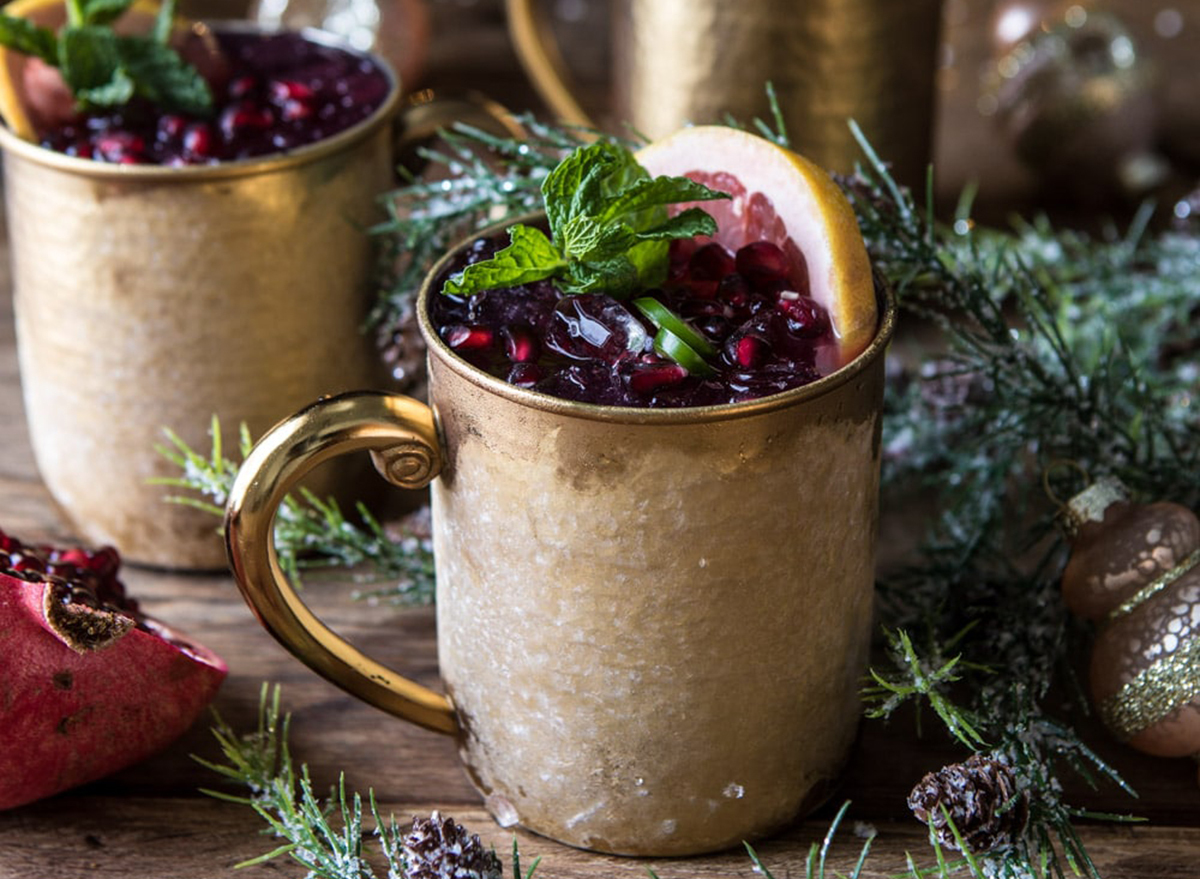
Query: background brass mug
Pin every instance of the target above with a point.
(652, 624)
(154, 297)
(696, 61)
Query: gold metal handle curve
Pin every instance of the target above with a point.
(400, 434)
(539, 55)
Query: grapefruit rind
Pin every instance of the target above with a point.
(815, 215)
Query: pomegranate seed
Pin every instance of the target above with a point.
(241, 86)
(26, 561)
(805, 318)
(712, 262)
(646, 378)
(121, 147)
(750, 352)
(519, 344)
(715, 327)
(79, 558)
(170, 127)
(284, 90)
(525, 375)
(734, 289)
(293, 110)
(198, 140)
(679, 254)
(761, 262)
(700, 289)
(704, 308)
(105, 561)
(245, 116)
(468, 338)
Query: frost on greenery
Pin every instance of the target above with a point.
(314, 534)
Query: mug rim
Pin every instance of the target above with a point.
(885, 329)
(267, 163)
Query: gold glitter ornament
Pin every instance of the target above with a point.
(1134, 570)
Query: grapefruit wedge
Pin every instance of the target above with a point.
(781, 197)
(32, 94)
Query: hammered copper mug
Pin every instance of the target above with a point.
(652, 624)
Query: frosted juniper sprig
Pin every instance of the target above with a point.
(312, 534)
(283, 797)
(1034, 371)
(330, 839)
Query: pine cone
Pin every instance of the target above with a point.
(439, 848)
(981, 798)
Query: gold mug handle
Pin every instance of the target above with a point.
(534, 41)
(402, 438)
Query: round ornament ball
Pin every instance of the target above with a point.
(1075, 98)
(1134, 570)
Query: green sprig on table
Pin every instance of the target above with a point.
(327, 836)
(1052, 345)
(311, 533)
(103, 68)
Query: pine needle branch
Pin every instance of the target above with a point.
(328, 837)
(312, 534)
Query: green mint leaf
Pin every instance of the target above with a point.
(584, 181)
(103, 12)
(560, 186)
(104, 69)
(91, 63)
(22, 35)
(586, 239)
(649, 259)
(638, 204)
(529, 257)
(686, 224)
(613, 170)
(163, 77)
(113, 93)
(617, 277)
(609, 225)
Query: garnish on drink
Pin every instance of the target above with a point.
(640, 297)
(121, 81)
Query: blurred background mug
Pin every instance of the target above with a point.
(680, 61)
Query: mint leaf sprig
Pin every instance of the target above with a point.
(103, 68)
(609, 228)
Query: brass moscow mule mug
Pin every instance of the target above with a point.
(652, 624)
(151, 297)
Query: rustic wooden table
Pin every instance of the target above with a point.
(152, 820)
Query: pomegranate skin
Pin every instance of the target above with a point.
(73, 711)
